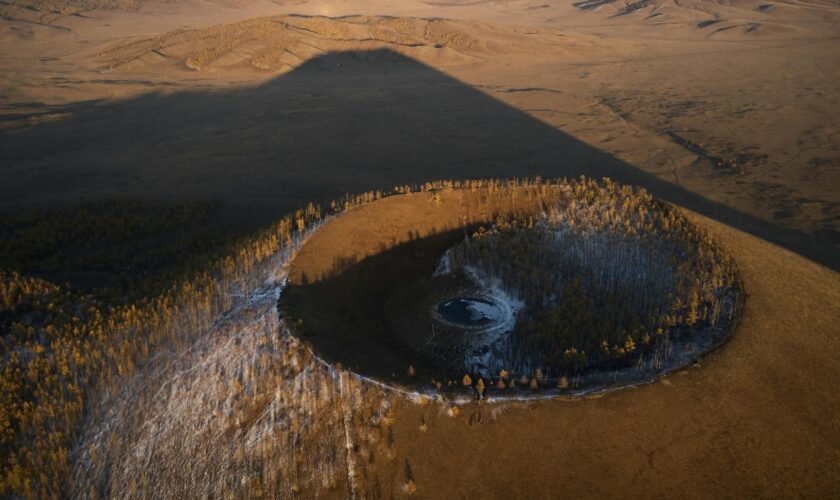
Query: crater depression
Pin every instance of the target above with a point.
(565, 286)
(470, 312)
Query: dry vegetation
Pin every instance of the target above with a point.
(282, 43)
(151, 394)
(79, 369)
(608, 279)
(617, 287)
(46, 12)
(202, 381)
(63, 348)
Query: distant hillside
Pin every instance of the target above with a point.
(65, 7)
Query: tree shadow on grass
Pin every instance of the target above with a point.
(340, 123)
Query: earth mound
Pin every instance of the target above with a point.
(568, 286)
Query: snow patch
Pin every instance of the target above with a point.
(486, 348)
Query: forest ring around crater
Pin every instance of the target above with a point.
(605, 287)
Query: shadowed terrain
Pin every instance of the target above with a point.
(339, 123)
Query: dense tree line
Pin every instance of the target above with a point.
(62, 346)
(110, 247)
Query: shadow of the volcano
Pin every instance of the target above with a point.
(340, 123)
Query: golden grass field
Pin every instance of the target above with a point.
(756, 418)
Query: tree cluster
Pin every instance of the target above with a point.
(605, 276)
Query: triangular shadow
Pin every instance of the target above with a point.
(340, 123)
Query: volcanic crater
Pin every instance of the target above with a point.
(561, 287)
